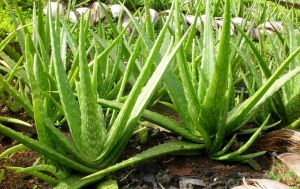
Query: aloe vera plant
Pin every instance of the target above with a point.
(204, 95)
(208, 101)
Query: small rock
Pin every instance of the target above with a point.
(209, 173)
(155, 132)
(163, 178)
(273, 26)
(117, 10)
(138, 147)
(232, 182)
(217, 185)
(241, 175)
(53, 7)
(189, 183)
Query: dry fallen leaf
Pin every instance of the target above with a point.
(180, 171)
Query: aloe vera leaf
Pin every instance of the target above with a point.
(189, 90)
(127, 72)
(279, 83)
(110, 20)
(73, 44)
(44, 149)
(12, 150)
(122, 118)
(145, 96)
(110, 184)
(37, 174)
(208, 59)
(20, 17)
(40, 167)
(7, 40)
(38, 69)
(148, 25)
(129, 67)
(114, 91)
(153, 82)
(115, 68)
(252, 130)
(92, 120)
(159, 119)
(174, 87)
(17, 96)
(163, 149)
(243, 148)
(11, 52)
(277, 100)
(249, 64)
(176, 93)
(194, 26)
(96, 74)
(30, 66)
(42, 51)
(62, 144)
(214, 104)
(40, 22)
(256, 100)
(109, 49)
(294, 42)
(2, 175)
(226, 147)
(292, 106)
(295, 124)
(17, 22)
(14, 120)
(46, 168)
(68, 100)
(4, 43)
(8, 66)
(248, 157)
(138, 27)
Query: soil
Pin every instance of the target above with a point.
(172, 172)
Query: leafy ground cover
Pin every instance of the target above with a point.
(91, 85)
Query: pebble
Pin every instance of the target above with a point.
(189, 183)
(163, 178)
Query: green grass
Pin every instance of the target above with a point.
(7, 26)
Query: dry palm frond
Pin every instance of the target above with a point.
(281, 141)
